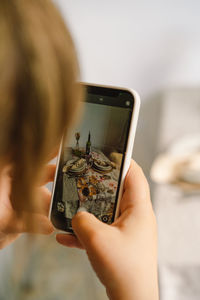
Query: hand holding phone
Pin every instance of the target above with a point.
(123, 255)
(93, 162)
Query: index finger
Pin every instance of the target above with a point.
(136, 189)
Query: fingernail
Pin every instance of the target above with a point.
(81, 208)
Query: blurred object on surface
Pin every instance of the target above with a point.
(177, 212)
(180, 164)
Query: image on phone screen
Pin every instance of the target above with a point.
(91, 161)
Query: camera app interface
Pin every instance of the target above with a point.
(90, 165)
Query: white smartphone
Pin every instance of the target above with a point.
(93, 162)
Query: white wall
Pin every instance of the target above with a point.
(147, 45)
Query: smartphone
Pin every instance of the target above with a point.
(93, 162)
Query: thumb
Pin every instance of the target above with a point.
(86, 226)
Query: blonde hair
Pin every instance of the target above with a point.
(39, 93)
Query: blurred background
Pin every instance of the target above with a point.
(154, 48)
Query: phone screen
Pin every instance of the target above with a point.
(91, 161)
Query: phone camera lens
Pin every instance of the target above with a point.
(105, 218)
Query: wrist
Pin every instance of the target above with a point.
(132, 288)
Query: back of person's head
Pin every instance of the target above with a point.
(39, 92)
